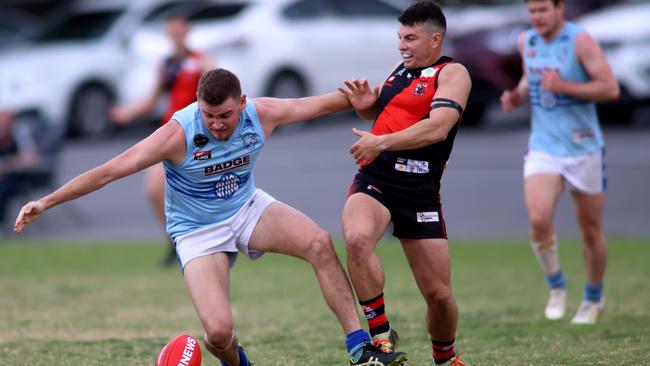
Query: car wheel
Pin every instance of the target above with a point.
(89, 112)
(287, 84)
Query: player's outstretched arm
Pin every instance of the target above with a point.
(362, 97)
(168, 142)
(274, 112)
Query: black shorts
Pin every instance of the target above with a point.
(416, 214)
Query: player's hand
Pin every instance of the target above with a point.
(28, 214)
(366, 149)
(510, 100)
(359, 94)
(119, 115)
(552, 81)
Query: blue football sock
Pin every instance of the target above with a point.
(593, 292)
(355, 341)
(556, 280)
(243, 359)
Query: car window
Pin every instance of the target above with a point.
(307, 9)
(218, 12)
(366, 8)
(77, 27)
(194, 10)
(160, 12)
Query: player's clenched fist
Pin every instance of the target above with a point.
(510, 100)
(28, 214)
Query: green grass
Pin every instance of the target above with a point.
(111, 305)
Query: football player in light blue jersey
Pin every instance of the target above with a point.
(214, 211)
(565, 73)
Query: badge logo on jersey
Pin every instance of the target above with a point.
(250, 140)
(200, 140)
(420, 89)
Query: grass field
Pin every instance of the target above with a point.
(112, 305)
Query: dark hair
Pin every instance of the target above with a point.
(424, 11)
(217, 85)
(555, 2)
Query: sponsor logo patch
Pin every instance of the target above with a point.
(412, 166)
(428, 216)
(203, 155)
(228, 165)
(429, 72)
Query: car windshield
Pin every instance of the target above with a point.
(480, 2)
(78, 27)
(195, 10)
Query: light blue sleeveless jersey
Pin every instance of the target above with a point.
(216, 177)
(561, 125)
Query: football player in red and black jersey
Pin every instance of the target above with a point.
(178, 79)
(416, 114)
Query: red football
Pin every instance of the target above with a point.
(183, 350)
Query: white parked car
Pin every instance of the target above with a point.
(623, 31)
(282, 48)
(69, 71)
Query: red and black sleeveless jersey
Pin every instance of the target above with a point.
(405, 100)
(181, 80)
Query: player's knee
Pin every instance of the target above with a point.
(321, 248)
(592, 235)
(357, 243)
(438, 296)
(219, 334)
(539, 221)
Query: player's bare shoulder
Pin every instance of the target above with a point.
(455, 80)
(270, 111)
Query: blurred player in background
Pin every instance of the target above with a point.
(214, 211)
(416, 115)
(178, 79)
(565, 72)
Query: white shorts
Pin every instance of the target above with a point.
(230, 236)
(584, 173)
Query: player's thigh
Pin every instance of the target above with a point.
(541, 193)
(430, 263)
(365, 217)
(283, 229)
(208, 281)
(589, 209)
